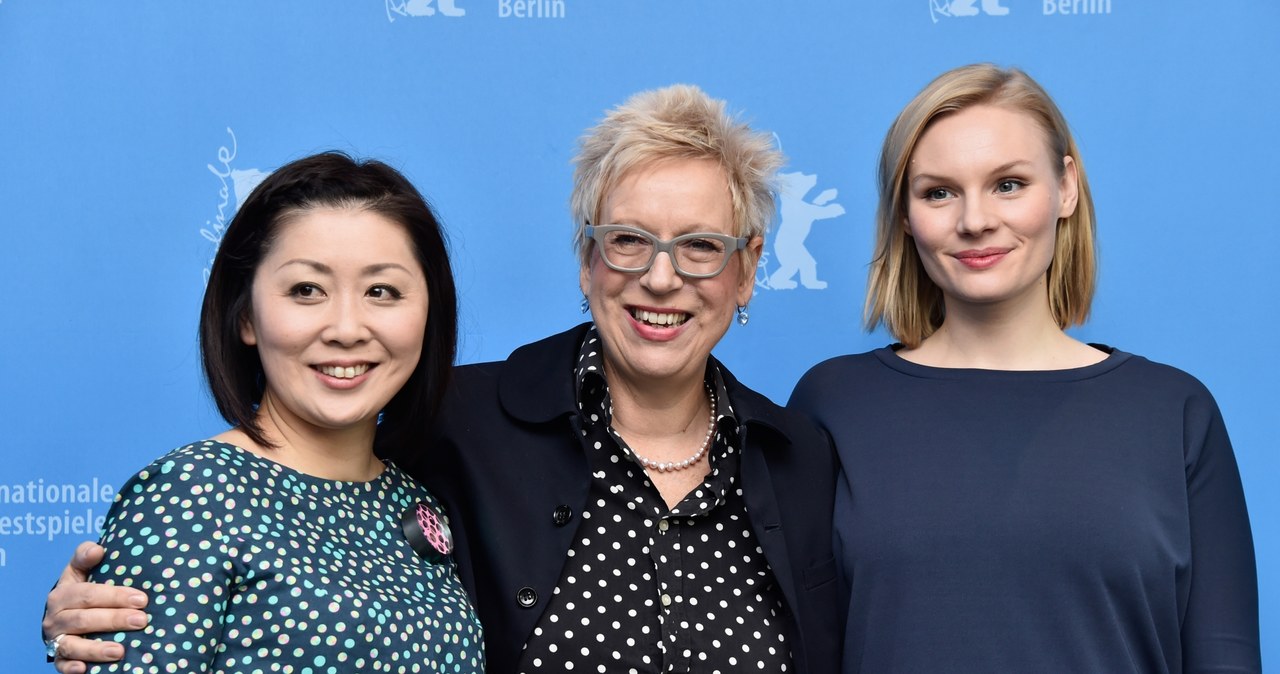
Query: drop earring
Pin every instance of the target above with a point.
(586, 305)
(743, 316)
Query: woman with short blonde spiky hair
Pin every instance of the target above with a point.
(1015, 500)
(663, 125)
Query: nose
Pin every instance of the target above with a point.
(348, 324)
(976, 216)
(662, 277)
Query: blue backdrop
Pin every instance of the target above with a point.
(130, 132)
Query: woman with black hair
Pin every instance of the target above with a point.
(328, 326)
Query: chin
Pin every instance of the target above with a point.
(342, 422)
(657, 366)
(673, 364)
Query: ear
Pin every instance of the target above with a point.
(247, 334)
(750, 262)
(584, 276)
(1069, 189)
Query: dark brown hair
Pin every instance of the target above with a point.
(329, 179)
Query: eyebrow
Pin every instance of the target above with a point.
(1003, 168)
(323, 268)
(681, 230)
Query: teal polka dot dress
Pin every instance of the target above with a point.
(254, 567)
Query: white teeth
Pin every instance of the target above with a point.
(344, 372)
(655, 318)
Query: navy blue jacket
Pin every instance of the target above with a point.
(508, 464)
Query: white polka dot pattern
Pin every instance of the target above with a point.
(652, 589)
(254, 567)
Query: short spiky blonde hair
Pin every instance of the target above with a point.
(899, 292)
(676, 122)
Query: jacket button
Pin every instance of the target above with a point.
(526, 597)
(562, 515)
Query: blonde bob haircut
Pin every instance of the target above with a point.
(676, 122)
(899, 292)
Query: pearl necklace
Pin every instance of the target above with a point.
(666, 467)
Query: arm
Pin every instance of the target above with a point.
(163, 536)
(77, 607)
(1220, 624)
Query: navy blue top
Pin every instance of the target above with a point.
(1080, 520)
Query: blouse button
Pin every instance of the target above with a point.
(662, 525)
(666, 600)
(562, 515)
(526, 597)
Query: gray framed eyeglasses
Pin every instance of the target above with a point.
(633, 250)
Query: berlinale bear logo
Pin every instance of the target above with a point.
(410, 8)
(964, 8)
(796, 218)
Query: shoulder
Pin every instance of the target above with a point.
(1156, 381)
(554, 354)
(1153, 390)
(534, 384)
(196, 463)
(502, 406)
(1136, 365)
(551, 351)
(191, 480)
(843, 377)
(756, 409)
(847, 365)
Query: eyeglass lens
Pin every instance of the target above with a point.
(691, 253)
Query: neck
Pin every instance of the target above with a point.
(659, 409)
(1007, 336)
(331, 454)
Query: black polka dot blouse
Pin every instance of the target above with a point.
(651, 589)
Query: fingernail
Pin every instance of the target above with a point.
(137, 621)
(114, 651)
(137, 600)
